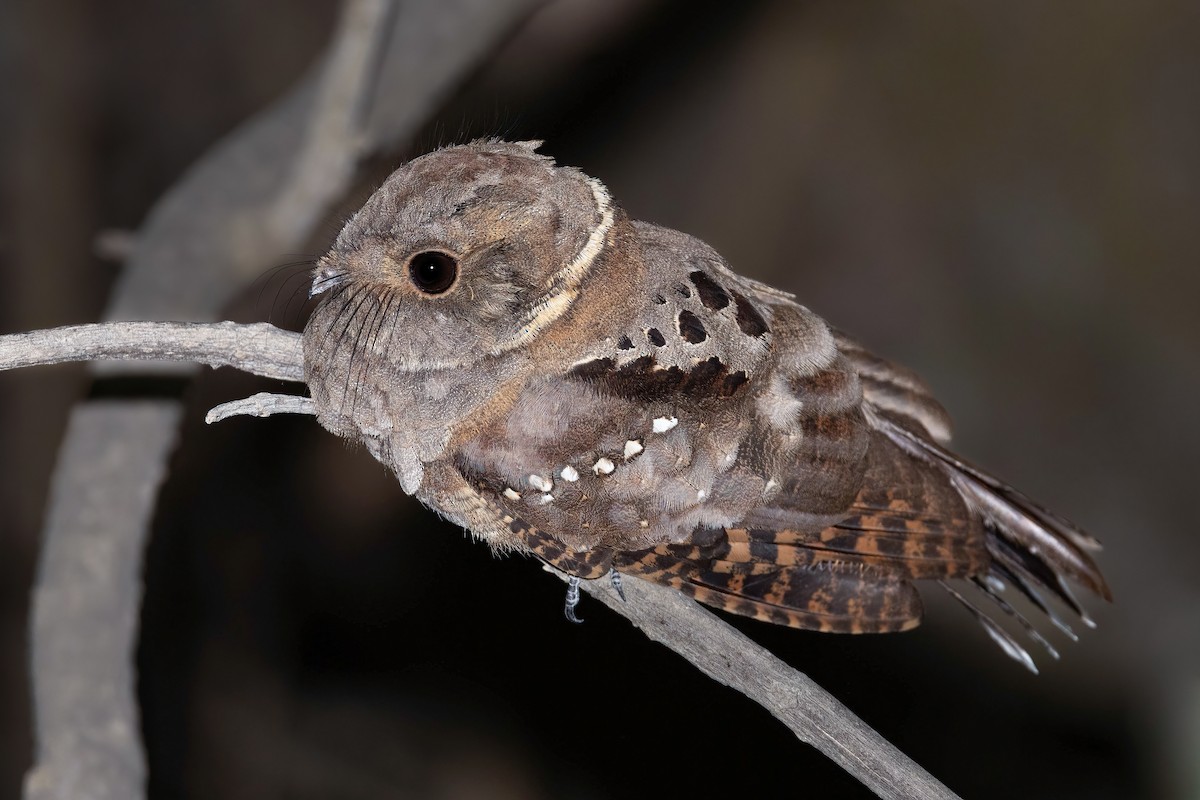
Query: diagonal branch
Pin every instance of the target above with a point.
(710, 644)
(334, 141)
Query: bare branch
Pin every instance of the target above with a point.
(258, 348)
(724, 654)
(263, 404)
(334, 141)
(86, 604)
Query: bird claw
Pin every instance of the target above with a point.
(572, 599)
(614, 578)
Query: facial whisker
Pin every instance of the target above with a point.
(297, 290)
(333, 297)
(369, 347)
(350, 305)
(389, 299)
(352, 320)
(264, 281)
(361, 373)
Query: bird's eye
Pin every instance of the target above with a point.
(433, 271)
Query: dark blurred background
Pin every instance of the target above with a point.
(1002, 196)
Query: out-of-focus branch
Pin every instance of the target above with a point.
(86, 603)
(334, 140)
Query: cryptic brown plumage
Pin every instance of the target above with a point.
(609, 395)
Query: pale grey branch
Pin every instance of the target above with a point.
(263, 404)
(258, 348)
(87, 600)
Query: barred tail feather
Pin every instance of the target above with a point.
(1031, 548)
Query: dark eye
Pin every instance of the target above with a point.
(433, 271)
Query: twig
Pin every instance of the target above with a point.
(258, 348)
(263, 404)
(666, 616)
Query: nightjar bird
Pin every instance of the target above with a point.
(609, 396)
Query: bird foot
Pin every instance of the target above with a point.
(614, 578)
(572, 600)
